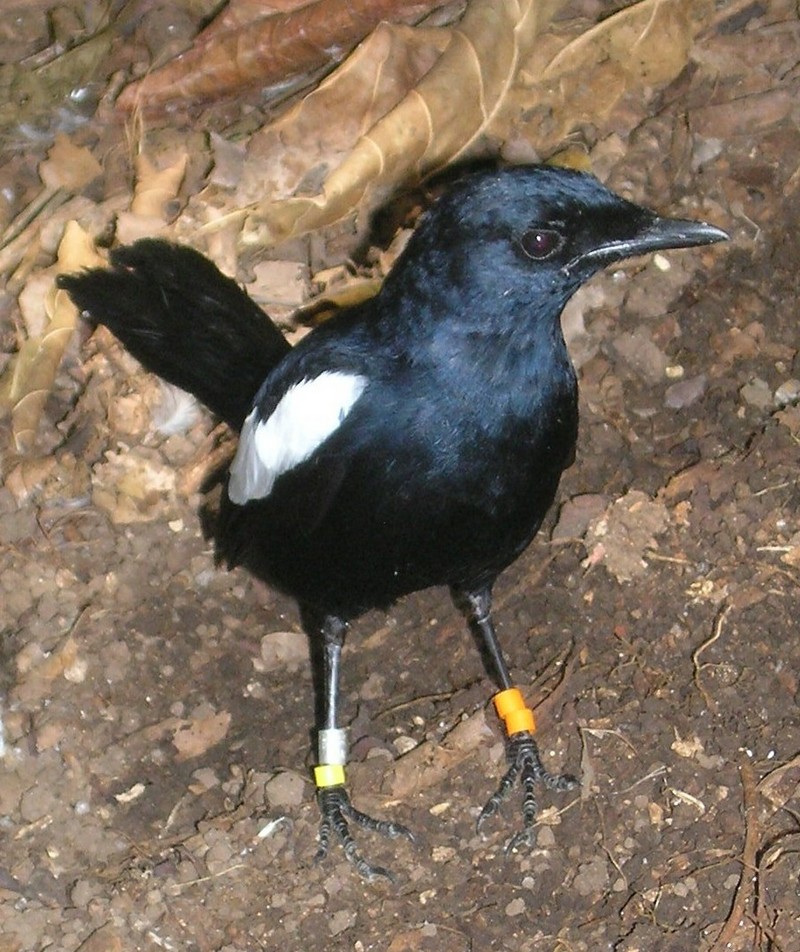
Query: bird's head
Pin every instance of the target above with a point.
(530, 234)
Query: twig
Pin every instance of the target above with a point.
(747, 878)
(177, 888)
(718, 623)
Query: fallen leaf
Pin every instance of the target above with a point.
(28, 380)
(620, 537)
(429, 128)
(282, 157)
(155, 187)
(428, 764)
(195, 736)
(502, 67)
(234, 54)
(68, 166)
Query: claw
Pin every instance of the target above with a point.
(336, 809)
(524, 763)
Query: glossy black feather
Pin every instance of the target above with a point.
(444, 469)
(176, 312)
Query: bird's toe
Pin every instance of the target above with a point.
(524, 766)
(336, 809)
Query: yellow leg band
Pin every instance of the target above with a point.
(512, 711)
(329, 775)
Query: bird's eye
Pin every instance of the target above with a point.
(541, 243)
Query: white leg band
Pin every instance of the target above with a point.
(332, 746)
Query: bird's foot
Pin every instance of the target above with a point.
(336, 809)
(525, 764)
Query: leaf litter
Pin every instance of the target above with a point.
(134, 665)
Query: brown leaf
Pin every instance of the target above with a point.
(620, 537)
(368, 85)
(195, 736)
(571, 81)
(68, 166)
(429, 764)
(431, 126)
(644, 44)
(267, 50)
(28, 380)
(155, 187)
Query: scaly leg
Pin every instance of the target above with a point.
(522, 753)
(329, 775)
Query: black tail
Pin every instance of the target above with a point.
(185, 321)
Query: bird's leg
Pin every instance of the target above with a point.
(522, 752)
(329, 774)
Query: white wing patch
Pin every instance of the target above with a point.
(306, 415)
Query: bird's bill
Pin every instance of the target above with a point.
(654, 234)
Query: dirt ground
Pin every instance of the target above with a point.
(157, 710)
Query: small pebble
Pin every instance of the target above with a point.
(286, 789)
(685, 392)
(591, 877)
(545, 838)
(757, 393)
(788, 393)
(341, 920)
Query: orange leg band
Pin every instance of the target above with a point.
(512, 711)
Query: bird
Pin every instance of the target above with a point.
(413, 440)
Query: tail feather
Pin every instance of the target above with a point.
(185, 321)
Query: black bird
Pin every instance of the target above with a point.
(414, 440)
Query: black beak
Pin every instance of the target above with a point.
(652, 234)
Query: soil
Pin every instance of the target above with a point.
(157, 710)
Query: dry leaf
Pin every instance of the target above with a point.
(645, 44)
(68, 166)
(255, 49)
(627, 529)
(429, 764)
(430, 127)
(29, 378)
(371, 82)
(195, 736)
(571, 82)
(155, 187)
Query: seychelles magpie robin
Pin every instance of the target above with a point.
(414, 440)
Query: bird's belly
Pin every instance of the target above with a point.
(379, 540)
